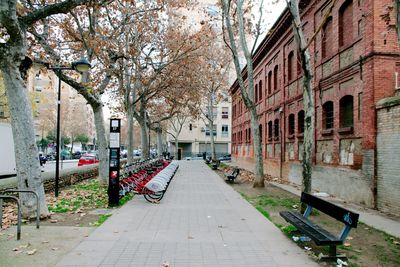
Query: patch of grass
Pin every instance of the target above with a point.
(86, 195)
(264, 212)
(276, 202)
(102, 219)
(244, 196)
(125, 199)
(288, 230)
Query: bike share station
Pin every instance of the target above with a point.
(149, 177)
(114, 162)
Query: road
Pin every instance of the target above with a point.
(50, 166)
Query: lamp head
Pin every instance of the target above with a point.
(82, 65)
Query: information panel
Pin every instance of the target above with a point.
(113, 181)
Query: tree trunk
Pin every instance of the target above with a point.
(176, 148)
(102, 143)
(211, 122)
(259, 182)
(159, 142)
(308, 97)
(144, 139)
(28, 170)
(130, 135)
(247, 95)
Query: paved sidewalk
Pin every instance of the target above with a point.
(200, 222)
(370, 217)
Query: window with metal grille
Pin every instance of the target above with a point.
(290, 66)
(346, 23)
(256, 94)
(291, 124)
(270, 130)
(300, 122)
(327, 38)
(346, 111)
(276, 128)
(270, 82)
(327, 115)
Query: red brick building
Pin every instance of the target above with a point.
(354, 58)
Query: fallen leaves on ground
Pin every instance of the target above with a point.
(76, 199)
(31, 252)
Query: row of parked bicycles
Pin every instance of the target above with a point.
(149, 178)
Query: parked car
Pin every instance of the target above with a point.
(88, 159)
(226, 157)
(77, 155)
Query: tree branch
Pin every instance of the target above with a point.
(48, 10)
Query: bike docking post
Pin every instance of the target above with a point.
(37, 202)
(113, 182)
(19, 213)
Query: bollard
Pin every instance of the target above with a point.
(37, 202)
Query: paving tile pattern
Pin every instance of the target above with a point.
(200, 222)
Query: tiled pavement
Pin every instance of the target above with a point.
(200, 222)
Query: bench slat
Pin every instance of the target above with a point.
(316, 233)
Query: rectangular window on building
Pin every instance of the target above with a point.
(190, 126)
(208, 130)
(224, 131)
(225, 113)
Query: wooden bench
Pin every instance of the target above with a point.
(230, 177)
(320, 236)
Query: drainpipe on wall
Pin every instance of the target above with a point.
(281, 110)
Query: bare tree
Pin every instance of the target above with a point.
(14, 64)
(233, 15)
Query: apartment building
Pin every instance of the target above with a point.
(195, 136)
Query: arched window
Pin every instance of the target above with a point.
(260, 132)
(270, 130)
(276, 78)
(260, 94)
(291, 66)
(249, 136)
(276, 128)
(256, 94)
(327, 115)
(300, 122)
(346, 23)
(327, 39)
(291, 124)
(269, 82)
(346, 111)
(298, 64)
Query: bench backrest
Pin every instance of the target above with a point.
(341, 214)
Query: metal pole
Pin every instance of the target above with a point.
(58, 139)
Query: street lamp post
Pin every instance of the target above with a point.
(81, 66)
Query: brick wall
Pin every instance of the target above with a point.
(388, 155)
(362, 68)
